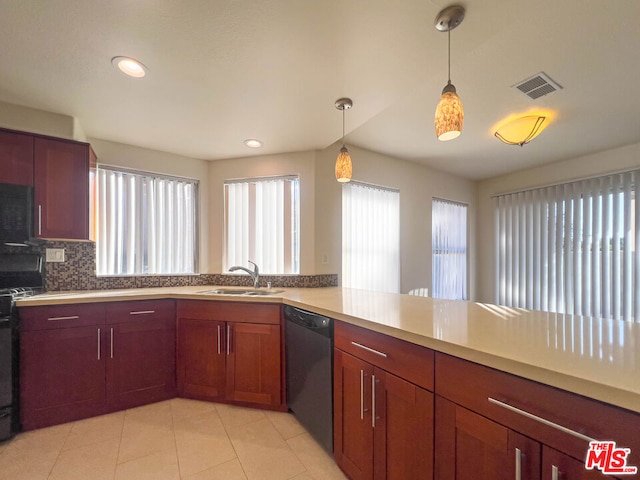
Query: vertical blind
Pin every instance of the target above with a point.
(370, 237)
(571, 248)
(262, 223)
(449, 245)
(145, 224)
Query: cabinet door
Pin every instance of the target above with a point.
(558, 466)
(141, 362)
(353, 429)
(403, 433)
(253, 363)
(61, 178)
(61, 375)
(201, 359)
(16, 158)
(472, 446)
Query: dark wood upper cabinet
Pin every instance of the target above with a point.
(61, 180)
(16, 158)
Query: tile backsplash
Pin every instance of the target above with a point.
(78, 272)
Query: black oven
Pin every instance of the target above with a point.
(21, 275)
(16, 214)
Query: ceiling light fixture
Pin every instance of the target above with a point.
(521, 130)
(343, 162)
(449, 112)
(253, 143)
(129, 66)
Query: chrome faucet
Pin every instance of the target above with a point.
(255, 274)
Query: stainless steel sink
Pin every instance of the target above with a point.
(250, 292)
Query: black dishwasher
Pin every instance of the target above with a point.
(309, 356)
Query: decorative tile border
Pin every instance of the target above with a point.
(77, 272)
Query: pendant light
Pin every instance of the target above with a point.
(343, 162)
(449, 113)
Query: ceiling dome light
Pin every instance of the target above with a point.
(253, 143)
(343, 162)
(521, 130)
(129, 66)
(449, 116)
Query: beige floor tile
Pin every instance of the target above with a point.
(95, 462)
(263, 453)
(202, 443)
(318, 463)
(183, 407)
(286, 424)
(140, 440)
(232, 415)
(32, 455)
(226, 471)
(157, 466)
(157, 414)
(303, 476)
(95, 430)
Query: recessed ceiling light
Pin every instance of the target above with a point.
(129, 66)
(253, 143)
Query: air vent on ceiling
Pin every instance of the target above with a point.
(537, 86)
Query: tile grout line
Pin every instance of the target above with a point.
(244, 472)
(60, 451)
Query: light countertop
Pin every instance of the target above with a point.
(596, 358)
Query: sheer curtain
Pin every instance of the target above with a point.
(449, 246)
(571, 248)
(262, 223)
(145, 223)
(370, 237)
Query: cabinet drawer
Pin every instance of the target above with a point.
(123, 312)
(229, 311)
(406, 360)
(471, 385)
(61, 316)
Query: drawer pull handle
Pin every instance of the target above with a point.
(518, 464)
(555, 473)
(218, 339)
(111, 342)
(98, 344)
(369, 349)
(142, 312)
(71, 317)
(39, 219)
(542, 420)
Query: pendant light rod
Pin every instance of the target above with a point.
(343, 104)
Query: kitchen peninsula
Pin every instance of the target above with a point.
(582, 370)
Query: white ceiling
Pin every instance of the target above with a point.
(224, 71)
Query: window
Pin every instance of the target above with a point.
(370, 237)
(262, 223)
(145, 223)
(572, 248)
(449, 247)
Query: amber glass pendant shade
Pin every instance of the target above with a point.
(343, 166)
(449, 115)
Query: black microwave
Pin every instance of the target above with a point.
(16, 214)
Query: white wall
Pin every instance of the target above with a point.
(31, 120)
(418, 184)
(300, 163)
(595, 164)
(154, 161)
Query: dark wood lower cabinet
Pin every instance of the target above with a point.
(383, 425)
(140, 363)
(471, 446)
(61, 375)
(230, 361)
(201, 359)
(253, 363)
